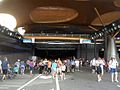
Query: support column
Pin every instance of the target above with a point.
(111, 52)
(78, 51)
(86, 52)
(33, 49)
(106, 47)
(95, 55)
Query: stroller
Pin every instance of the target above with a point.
(11, 74)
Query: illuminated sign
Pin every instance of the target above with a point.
(27, 40)
(85, 41)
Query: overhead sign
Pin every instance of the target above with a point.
(85, 41)
(27, 40)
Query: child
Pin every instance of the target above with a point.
(22, 69)
(10, 73)
(16, 69)
(54, 69)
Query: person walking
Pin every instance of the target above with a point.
(0, 66)
(54, 69)
(77, 64)
(31, 67)
(22, 67)
(99, 63)
(5, 66)
(113, 64)
(93, 64)
(49, 64)
(17, 64)
(63, 72)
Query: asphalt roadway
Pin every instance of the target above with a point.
(82, 80)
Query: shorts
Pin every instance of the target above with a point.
(93, 67)
(63, 71)
(54, 70)
(73, 66)
(5, 71)
(113, 70)
(99, 70)
(77, 67)
(16, 72)
(31, 68)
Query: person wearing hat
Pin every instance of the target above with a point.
(113, 65)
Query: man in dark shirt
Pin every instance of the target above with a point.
(5, 65)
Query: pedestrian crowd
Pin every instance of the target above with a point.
(99, 66)
(57, 67)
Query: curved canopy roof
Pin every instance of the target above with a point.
(62, 16)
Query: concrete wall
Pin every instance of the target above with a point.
(87, 51)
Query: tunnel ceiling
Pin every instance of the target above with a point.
(61, 16)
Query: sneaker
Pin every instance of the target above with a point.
(112, 80)
(116, 81)
(53, 77)
(99, 80)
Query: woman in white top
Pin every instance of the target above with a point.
(63, 72)
(77, 64)
(113, 64)
(99, 68)
(93, 64)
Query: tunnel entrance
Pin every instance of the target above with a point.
(54, 54)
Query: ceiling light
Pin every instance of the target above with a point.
(113, 24)
(118, 49)
(100, 34)
(1, 0)
(115, 28)
(2, 30)
(119, 26)
(102, 49)
(112, 29)
(8, 21)
(92, 37)
(107, 30)
(118, 38)
(10, 34)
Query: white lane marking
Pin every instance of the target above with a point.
(45, 77)
(4, 88)
(118, 85)
(57, 83)
(28, 82)
(9, 85)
